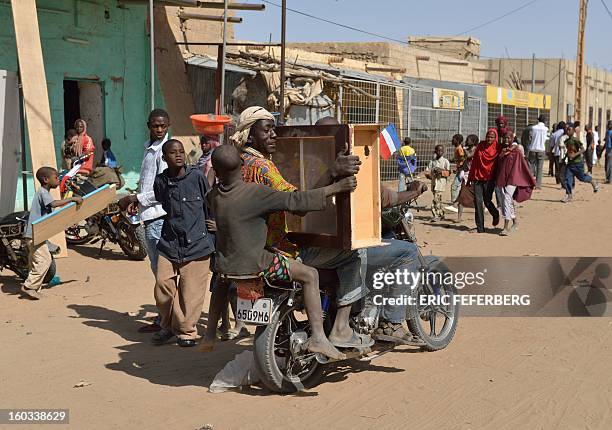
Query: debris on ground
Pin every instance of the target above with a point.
(82, 383)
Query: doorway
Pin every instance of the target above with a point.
(85, 100)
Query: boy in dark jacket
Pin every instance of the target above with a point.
(184, 248)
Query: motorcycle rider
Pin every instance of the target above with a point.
(256, 138)
(395, 254)
(241, 211)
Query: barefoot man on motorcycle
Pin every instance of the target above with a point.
(241, 211)
(256, 139)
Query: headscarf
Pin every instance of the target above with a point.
(248, 117)
(205, 161)
(502, 124)
(485, 157)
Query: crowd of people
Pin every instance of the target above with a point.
(500, 165)
(225, 214)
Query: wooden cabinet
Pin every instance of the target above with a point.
(304, 156)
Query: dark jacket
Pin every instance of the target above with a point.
(184, 236)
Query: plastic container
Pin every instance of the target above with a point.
(209, 124)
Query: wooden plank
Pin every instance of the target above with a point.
(56, 222)
(35, 95)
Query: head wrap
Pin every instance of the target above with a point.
(248, 117)
(485, 157)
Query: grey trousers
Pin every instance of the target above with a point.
(536, 164)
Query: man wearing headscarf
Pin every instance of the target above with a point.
(256, 138)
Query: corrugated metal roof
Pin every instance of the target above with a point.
(211, 63)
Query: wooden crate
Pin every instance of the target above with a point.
(304, 156)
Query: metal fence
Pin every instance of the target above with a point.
(519, 118)
(411, 109)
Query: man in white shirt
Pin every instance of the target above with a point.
(537, 149)
(554, 147)
(150, 210)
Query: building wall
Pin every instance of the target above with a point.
(114, 52)
(556, 76)
(418, 63)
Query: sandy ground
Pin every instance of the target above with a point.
(543, 221)
(498, 373)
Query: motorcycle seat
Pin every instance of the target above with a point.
(13, 217)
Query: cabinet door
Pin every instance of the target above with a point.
(304, 156)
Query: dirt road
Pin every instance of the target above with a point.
(499, 373)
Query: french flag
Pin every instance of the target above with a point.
(389, 141)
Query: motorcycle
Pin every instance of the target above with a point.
(109, 225)
(281, 357)
(14, 249)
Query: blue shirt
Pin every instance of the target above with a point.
(41, 206)
(608, 142)
(109, 159)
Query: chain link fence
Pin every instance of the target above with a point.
(519, 118)
(411, 110)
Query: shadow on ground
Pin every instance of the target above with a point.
(173, 366)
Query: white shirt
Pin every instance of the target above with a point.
(560, 148)
(538, 137)
(596, 138)
(152, 165)
(554, 140)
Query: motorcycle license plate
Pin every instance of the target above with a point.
(254, 311)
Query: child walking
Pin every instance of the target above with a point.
(241, 211)
(184, 248)
(459, 160)
(42, 204)
(438, 171)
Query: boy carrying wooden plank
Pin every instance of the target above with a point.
(39, 255)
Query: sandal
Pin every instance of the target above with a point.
(357, 341)
(396, 333)
(161, 337)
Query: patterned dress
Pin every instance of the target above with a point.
(261, 170)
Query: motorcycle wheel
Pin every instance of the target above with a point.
(434, 324)
(77, 234)
(132, 241)
(280, 371)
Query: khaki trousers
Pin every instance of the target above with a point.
(180, 290)
(40, 261)
(437, 209)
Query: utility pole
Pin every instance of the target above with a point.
(580, 60)
(221, 107)
(533, 73)
(282, 60)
